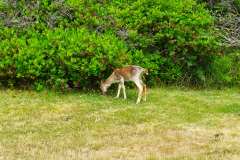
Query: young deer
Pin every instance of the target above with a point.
(129, 73)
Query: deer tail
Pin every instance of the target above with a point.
(145, 71)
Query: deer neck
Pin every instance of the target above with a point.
(109, 81)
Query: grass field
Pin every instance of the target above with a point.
(174, 124)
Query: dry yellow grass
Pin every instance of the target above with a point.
(173, 124)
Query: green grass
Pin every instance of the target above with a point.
(174, 124)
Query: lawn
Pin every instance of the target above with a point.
(174, 123)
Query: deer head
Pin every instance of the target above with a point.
(103, 87)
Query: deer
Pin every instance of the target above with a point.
(129, 73)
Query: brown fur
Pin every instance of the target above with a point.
(129, 73)
(125, 72)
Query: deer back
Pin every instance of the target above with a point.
(128, 72)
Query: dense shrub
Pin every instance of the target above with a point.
(77, 43)
(237, 5)
(58, 56)
(179, 31)
(226, 70)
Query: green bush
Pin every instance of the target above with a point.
(237, 5)
(77, 43)
(225, 70)
(180, 31)
(62, 55)
(221, 70)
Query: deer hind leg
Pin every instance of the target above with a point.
(140, 91)
(145, 92)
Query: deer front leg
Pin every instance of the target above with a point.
(119, 90)
(124, 91)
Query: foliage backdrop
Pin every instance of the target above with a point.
(74, 43)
